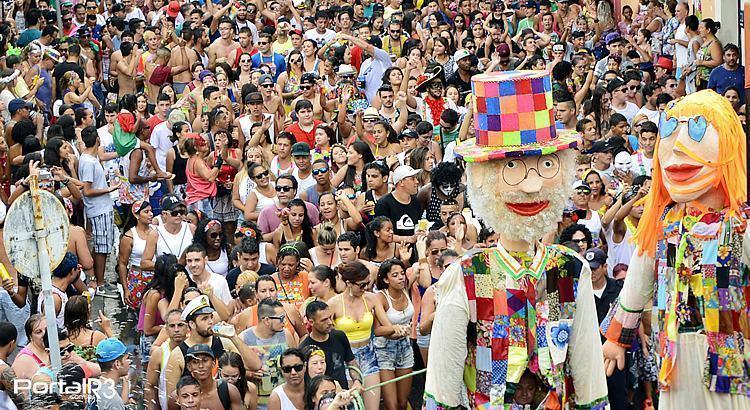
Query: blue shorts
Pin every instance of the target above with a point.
(394, 354)
(367, 359)
(423, 341)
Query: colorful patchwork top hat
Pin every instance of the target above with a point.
(513, 117)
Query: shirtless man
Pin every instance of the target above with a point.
(200, 361)
(223, 49)
(188, 395)
(567, 13)
(272, 103)
(187, 59)
(124, 65)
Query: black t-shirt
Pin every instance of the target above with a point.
(404, 217)
(338, 354)
(464, 88)
(61, 69)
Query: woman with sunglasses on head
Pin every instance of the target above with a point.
(355, 312)
(291, 394)
(260, 197)
(132, 245)
(288, 81)
(245, 72)
(232, 369)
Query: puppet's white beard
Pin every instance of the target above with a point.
(489, 205)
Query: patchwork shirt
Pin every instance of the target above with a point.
(699, 283)
(496, 317)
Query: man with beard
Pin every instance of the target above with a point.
(461, 78)
(200, 319)
(221, 50)
(244, 19)
(156, 376)
(521, 306)
(445, 185)
(246, 42)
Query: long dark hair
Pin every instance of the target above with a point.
(77, 315)
(312, 389)
(166, 269)
(52, 154)
(307, 228)
(372, 241)
(235, 360)
(597, 106)
(362, 149)
(385, 269)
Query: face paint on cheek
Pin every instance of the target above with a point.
(448, 189)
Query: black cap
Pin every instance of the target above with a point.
(578, 34)
(117, 7)
(408, 134)
(615, 84)
(602, 146)
(196, 350)
(170, 202)
(595, 257)
(307, 78)
(254, 98)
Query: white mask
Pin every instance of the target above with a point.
(622, 162)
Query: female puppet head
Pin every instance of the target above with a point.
(700, 153)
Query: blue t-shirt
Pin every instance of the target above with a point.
(721, 79)
(276, 61)
(27, 36)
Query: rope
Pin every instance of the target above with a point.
(359, 402)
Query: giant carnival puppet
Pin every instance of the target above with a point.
(691, 259)
(516, 325)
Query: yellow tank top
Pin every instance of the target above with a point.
(355, 331)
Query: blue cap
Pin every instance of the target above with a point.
(18, 103)
(111, 349)
(596, 257)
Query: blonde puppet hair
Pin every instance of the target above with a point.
(732, 174)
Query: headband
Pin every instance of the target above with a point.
(211, 224)
(245, 231)
(139, 206)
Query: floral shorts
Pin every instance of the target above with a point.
(137, 282)
(367, 359)
(394, 354)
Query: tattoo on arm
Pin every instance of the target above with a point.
(7, 377)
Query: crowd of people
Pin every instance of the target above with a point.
(276, 185)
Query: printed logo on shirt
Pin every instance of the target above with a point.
(405, 223)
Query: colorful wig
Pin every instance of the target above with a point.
(732, 174)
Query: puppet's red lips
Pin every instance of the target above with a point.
(528, 208)
(682, 172)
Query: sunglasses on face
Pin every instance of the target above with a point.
(582, 240)
(319, 171)
(262, 175)
(305, 87)
(583, 191)
(262, 43)
(214, 235)
(361, 285)
(67, 349)
(435, 252)
(245, 61)
(179, 212)
(283, 188)
(633, 87)
(369, 120)
(280, 318)
(295, 61)
(296, 367)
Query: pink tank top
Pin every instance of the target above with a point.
(142, 314)
(197, 187)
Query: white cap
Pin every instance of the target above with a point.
(346, 69)
(404, 171)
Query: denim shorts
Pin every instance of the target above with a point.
(145, 347)
(394, 354)
(366, 358)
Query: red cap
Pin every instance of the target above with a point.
(664, 62)
(173, 9)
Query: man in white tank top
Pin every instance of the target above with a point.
(156, 376)
(172, 236)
